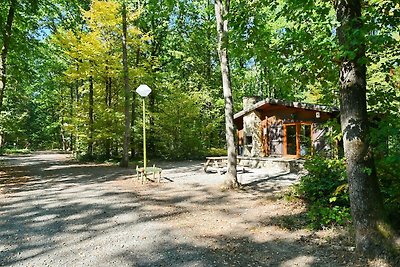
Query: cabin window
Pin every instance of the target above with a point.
(291, 140)
(305, 139)
(249, 140)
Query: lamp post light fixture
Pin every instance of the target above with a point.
(143, 90)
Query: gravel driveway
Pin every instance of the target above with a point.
(56, 212)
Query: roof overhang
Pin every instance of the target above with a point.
(270, 103)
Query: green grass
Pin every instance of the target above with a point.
(11, 151)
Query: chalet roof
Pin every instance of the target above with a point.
(269, 102)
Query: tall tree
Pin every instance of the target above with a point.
(221, 14)
(4, 50)
(125, 155)
(91, 119)
(93, 51)
(365, 200)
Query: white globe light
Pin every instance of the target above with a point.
(143, 90)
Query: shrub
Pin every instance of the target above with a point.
(388, 170)
(215, 152)
(325, 190)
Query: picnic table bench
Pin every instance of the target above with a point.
(142, 173)
(220, 162)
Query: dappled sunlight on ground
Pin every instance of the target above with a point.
(70, 214)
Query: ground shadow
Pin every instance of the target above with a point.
(90, 215)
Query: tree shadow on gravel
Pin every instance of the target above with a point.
(89, 215)
(241, 251)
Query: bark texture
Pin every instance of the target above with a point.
(127, 134)
(4, 50)
(221, 12)
(365, 200)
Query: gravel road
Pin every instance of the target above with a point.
(56, 212)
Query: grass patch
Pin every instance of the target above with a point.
(11, 151)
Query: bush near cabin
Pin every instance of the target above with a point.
(325, 191)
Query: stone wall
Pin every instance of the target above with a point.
(273, 164)
(252, 135)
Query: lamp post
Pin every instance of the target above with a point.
(143, 90)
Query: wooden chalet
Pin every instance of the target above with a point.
(278, 128)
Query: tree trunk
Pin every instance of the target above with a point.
(125, 153)
(71, 112)
(365, 200)
(108, 104)
(133, 115)
(133, 112)
(91, 119)
(4, 50)
(76, 139)
(2, 139)
(221, 12)
(152, 135)
(63, 138)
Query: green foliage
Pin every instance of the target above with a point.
(388, 170)
(384, 104)
(385, 139)
(216, 152)
(325, 190)
(180, 134)
(286, 49)
(320, 215)
(8, 151)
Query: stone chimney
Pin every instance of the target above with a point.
(251, 126)
(249, 101)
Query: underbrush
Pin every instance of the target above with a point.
(325, 191)
(388, 170)
(216, 152)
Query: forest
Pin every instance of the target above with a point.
(64, 62)
(69, 71)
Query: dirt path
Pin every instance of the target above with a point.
(55, 212)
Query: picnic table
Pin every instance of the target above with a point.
(219, 163)
(142, 173)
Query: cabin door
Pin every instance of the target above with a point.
(297, 139)
(291, 140)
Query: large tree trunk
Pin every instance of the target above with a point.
(3, 58)
(125, 153)
(221, 12)
(365, 200)
(91, 119)
(4, 50)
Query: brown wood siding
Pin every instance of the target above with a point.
(271, 130)
(319, 143)
(275, 136)
(265, 138)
